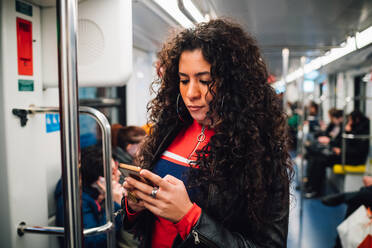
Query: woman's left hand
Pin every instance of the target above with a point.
(171, 202)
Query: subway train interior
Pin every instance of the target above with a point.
(75, 73)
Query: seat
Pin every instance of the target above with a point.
(352, 176)
(349, 169)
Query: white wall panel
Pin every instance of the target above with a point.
(27, 153)
(138, 87)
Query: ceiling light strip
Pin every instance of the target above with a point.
(352, 44)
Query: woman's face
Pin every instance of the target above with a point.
(194, 72)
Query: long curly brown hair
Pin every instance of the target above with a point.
(248, 152)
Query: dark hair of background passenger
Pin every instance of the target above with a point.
(248, 153)
(91, 164)
(336, 113)
(129, 135)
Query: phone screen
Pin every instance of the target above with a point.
(130, 173)
(134, 172)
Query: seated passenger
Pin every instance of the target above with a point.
(293, 123)
(114, 133)
(353, 200)
(92, 198)
(312, 118)
(333, 131)
(329, 152)
(127, 143)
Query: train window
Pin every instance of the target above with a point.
(108, 100)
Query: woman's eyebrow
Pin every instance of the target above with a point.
(202, 73)
(196, 74)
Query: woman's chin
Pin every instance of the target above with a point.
(200, 119)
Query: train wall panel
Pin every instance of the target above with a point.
(28, 154)
(138, 87)
(104, 43)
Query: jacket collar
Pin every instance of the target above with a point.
(168, 138)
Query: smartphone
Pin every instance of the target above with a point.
(133, 171)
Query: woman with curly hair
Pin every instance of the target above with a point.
(217, 155)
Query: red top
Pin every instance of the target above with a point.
(174, 162)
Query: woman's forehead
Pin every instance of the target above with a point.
(193, 62)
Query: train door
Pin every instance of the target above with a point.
(31, 152)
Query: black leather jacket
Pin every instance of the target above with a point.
(235, 232)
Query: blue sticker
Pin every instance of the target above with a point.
(52, 123)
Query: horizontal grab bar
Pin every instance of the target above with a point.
(59, 231)
(356, 136)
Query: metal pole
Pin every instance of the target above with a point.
(343, 144)
(182, 8)
(285, 56)
(302, 150)
(69, 105)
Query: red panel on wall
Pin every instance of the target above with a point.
(24, 47)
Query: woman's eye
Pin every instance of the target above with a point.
(184, 81)
(205, 82)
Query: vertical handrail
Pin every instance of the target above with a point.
(107, 154)
(285, 57)
(302, 150)
(343, 140)
(69, 105)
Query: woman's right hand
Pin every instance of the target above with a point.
(135, 206)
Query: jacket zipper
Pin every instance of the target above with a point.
(200, 139)
(196, 237)
(199, 238)
(210, 189)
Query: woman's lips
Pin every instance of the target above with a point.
(194, 108)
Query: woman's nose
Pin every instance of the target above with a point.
(193, 90)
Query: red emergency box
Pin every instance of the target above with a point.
(24, 47)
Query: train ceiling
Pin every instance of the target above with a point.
(307, 27)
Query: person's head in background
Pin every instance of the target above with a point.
(91, 166)
(114, 133)
(336, 116)
(356, 120)
(313, 108)
(129, 138)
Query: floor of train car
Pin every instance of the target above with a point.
(319, 222)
